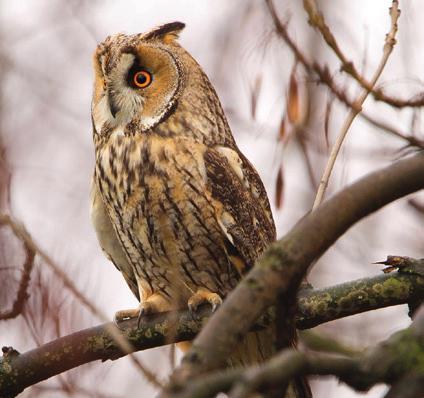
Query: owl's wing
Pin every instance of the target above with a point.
(108, 239)
(243, 209)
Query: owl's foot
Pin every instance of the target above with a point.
(152, 305)
(203, 296)
(148, 307)
(124, 315)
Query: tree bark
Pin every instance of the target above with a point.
(280, 270)
(282, 267)
(19, 371)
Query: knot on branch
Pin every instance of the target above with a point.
(404, 264)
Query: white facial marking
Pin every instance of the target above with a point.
(125, 98)
(101, 113)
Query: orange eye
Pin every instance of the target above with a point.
(142, 79)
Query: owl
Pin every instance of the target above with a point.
(176, 206)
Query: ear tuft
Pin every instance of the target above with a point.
(167, 33)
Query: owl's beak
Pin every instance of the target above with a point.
(114, 109)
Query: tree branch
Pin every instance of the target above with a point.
(379, 364)
(280, 270)
(284, 264)
(323, 305)
(317, 20)
(359, 101)
(324, 77)
(28, 264)
(18, 371)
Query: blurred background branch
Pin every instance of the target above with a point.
(379, 364)
(18, 371)
(27, 266)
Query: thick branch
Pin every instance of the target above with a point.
(380, 364)
(18, 371)
(33, 249)
(284, 264)
(323, 305)
(279, 270)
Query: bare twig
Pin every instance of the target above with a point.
(416, 205)
(379, 364)
(316, 19)
(123, 343)
(284, 264)
(5, 178)
(301, 138)
(324, 77)
(387, 50)
(100, 343)
(411, 138)
(22, 292)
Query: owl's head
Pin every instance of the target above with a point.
(138, 78)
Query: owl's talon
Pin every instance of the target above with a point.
(116, 322)
(215, 306)
(123, 315)
(144, 311)
(203, 296)
(192, 309)
(145, 308)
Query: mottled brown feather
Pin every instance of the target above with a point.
(253, 228)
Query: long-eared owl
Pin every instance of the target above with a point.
(176, 206)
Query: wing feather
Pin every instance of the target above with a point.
(243, 209)
(109, 241)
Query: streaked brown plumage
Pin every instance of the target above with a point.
(176, 206)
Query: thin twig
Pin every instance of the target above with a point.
(22, 292)
(316, 19)
(324, 77)
(361, 371)
(413, 141)
(387, 50)
(121, 341)
(378, 364)
(284, 264)
(165, 328)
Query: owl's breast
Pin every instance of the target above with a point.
(156, 194)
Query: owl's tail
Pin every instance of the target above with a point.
(259, 346)
(255, 348)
